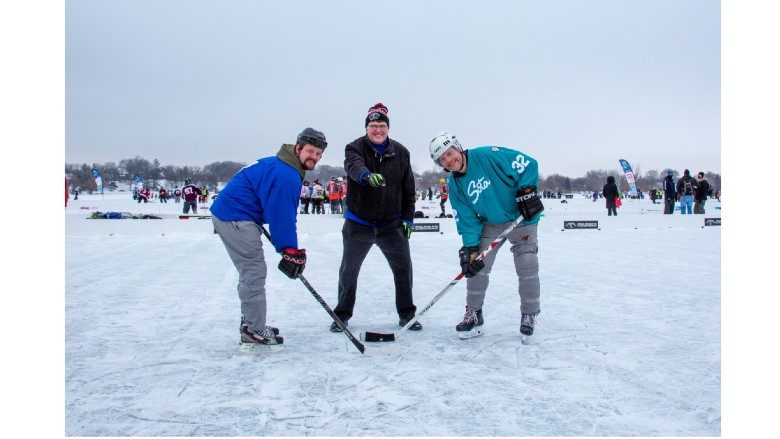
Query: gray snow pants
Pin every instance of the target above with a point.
(243, 242)
(698, 206)
(524, 250)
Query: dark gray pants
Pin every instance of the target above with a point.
(358, 240)
(698, 206)
(188, 204)
(669, 206)
(524, 250)
(243, 242)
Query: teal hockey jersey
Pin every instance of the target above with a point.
(486, 192)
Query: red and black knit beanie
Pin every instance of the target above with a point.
(378, 112)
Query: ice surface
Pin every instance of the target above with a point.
(628, 341)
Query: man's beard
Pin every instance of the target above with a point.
(308, 167)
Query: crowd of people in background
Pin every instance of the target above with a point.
(190, 195)
(689, 194)
(316, 195)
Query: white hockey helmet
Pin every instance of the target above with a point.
(441, 143)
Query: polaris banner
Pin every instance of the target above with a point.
(98, 179)
(425, 227)
(629, 177)
(711, 221)
(570, 225)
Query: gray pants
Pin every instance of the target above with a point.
(698, 206)
(243, 242)
(524, 250)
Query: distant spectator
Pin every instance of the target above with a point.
(610, 191)
(190, 192)
(703, 190)
(653, 195)
(670, 194)
(317, 197)
(686, 187)
(176, 194)
(444, 194)
(305, 196)
(163, 195)
(143, 195)
(335, 193)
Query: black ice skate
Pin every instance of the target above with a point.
(527, 323)
(334, 327)
(266, 340)
(416, 326)
(468, 327)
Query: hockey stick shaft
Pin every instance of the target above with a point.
(374, 336)
(324, 304)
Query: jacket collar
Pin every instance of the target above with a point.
(389, 151)
(287, 155)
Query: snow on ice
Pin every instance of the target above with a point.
(627, 344)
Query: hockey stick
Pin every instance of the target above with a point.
(319, 298)
(378, 336)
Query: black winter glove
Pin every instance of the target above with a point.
(528, 202)
(469, 264)
(293, 261)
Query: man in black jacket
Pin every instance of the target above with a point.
(379, 210)
(702, 191)
(670, 194)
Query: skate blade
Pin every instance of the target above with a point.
(525, 339)
(465, 335)
(257, 348)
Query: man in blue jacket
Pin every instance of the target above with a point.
(490, 187)
(265, 192)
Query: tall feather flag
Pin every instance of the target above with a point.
(98, 179)
(629, 177)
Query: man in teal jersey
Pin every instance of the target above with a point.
(490, 187)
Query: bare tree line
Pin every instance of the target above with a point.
(119, 176)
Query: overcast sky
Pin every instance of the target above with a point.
(576, 84)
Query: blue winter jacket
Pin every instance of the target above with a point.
(486, 192)
(266, 192)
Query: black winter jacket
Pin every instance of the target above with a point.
(702, 190)
(610, 191)
(670, 193)
(681, 185)
(383, 204)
